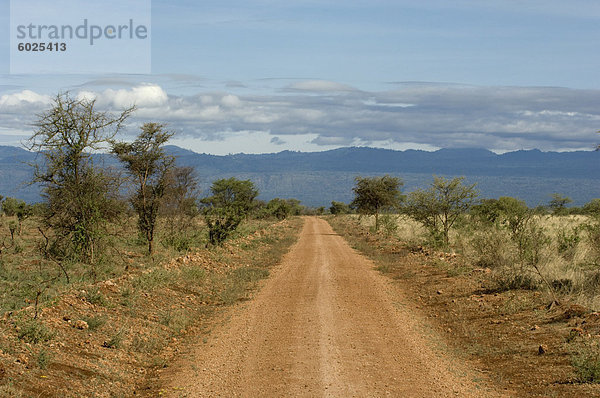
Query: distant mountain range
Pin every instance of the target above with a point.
(317, 178)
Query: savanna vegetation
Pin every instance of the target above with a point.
(539, 265)
(116, 265)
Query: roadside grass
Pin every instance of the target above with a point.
(137, 312)
(494, 311)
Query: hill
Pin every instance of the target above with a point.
(316, 178)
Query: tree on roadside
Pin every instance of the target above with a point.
(339, 208)
(439, 206)
(179, 207)
(149, 165)
(280, 208)
(558, 204)
(372, 195)
(81, 198)
(229, 204)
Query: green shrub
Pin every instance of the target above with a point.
(177, 321)
(94, 296)
(116, 341)
(34, 332)
(43, 359)
(593, 237)
(514, 280)
(94, 322)
(182, 242)
(585, 359)
(491, 247)
(389, 223)
(567, 242)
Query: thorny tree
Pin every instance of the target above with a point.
(149, 165)
(375, 194)
(229, 204)
(439, 206)
(81, 197)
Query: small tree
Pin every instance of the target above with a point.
(375, 194)
(11, 206)
(592, 208)
(439, 206)
(280, 208)
(81, 198)
(558, 204)
(230, 203)
(179, 206)
(339, 208)
(149, 165)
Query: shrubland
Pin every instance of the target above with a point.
(538, 265)
(100, 280)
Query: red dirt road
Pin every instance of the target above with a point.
(325, 324)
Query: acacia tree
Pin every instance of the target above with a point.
(179, 206)
(149, 165)
(375, 194)
(229, 204)
(558, 203)
(339, 208)
(439, 206)
(81, 198)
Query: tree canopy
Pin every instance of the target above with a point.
(372, 195)
(149, 165)
(439, 206)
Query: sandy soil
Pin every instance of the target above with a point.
(324, 324)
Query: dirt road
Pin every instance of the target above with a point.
(324, 325)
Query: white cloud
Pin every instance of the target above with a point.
(23, 98)
(231, 101)
(143, 96)
(146, 96)
(423, 115)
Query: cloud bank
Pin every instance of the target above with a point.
(424, 115)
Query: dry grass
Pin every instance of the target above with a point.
(102, 338)
(500, 330)
(568, 257)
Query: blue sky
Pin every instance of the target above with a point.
(265, 76)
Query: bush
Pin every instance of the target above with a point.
(230, 203)
(279, 208)
(593, 237)
(339, 208)
(511, 279)
(116, 341)
(567, 242)
(94, 322)
(585, 359)
(221, 223)
(440, 206)
(34, 332)
(389, 223)
(12, 206)
(94, 296)
(492, 248)
(43, 359)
